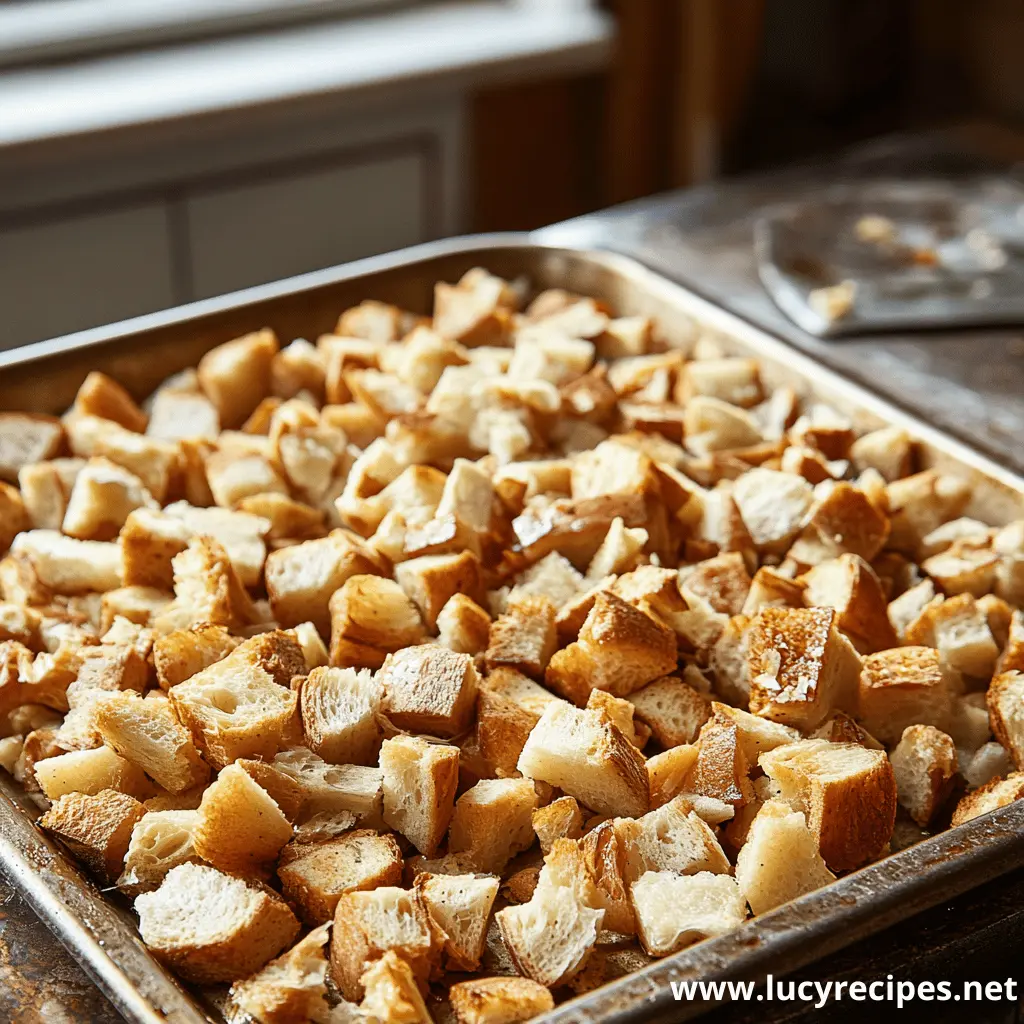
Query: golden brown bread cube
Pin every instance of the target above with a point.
(236, 375)
(430, 689)
(925, 765)
(13, 516)
(524, 637)
(180, 655)
(26, 438)
(101, 396)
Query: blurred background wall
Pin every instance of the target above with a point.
(151, 154)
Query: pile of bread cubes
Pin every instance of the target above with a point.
(450, 666)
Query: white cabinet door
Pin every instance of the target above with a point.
(82, 271)
(289, 223)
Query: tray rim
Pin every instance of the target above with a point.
(927, 873)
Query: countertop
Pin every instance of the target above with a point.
(969, 382)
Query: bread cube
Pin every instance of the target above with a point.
(69, 566)
(674, 911)
(95, 827)
(524, 637)
(902, 687)
(368, 924)
(206, 589)
(463, 626)
(301, 578)
(210, 927)
(420, 780)
(499, 1000)
(180, 655)
(241, 534)
(90, 772)
(1005, 701)
(493, 821)
(925, 766)
(371, 612)
(103, 496)
(674, 711)
(239, 706)
(339, 709)
(801, 667)
(846, 792)
(560, 819)
(235, 376)
(160, 840)
(314, 876)
(582, 753)
(773, 506)
(149, 541)
(430, 689)
(460, 905)
(502, 728)
(392, 993)
(668, 771)
(26, 438)
(147, 733)
(999, 792)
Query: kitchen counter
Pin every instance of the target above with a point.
(968, 382)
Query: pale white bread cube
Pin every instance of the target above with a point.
(733, 380)
(460, 905)
(96, 828)
(339, 709)
(1005, 699)
(240, 828)
(91, 772)
(846, 792)
(211, 927)
(333, 789)
(147, 732)
(582, 753)
(314, 876)
(103, 496)
(492, 822)
(368, 923)
(553, 577)
(291, 987)
(239, 706)
(499, 1000)
(887, 450)
(176, 414)
(70, 566)
(671, 838)
(780, 859)
(26, 438)
(674, 911)
(801, 667)
(420, 780)
(773, 506)
(160, 840)
(989, 761)
(711, 425)
(925, 765)
(994, 794)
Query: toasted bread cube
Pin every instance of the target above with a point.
(302, 578)
(180, 655)
(903, 687)
(90, 772)
(582, 753)
(510, 683)
(240, 826)
(392, 992)
(463, 626)
(101, 396)
(289, 519)
(499, 1000)
(963, 569)
(711, 425)
(339, 714)
(70, 566)
(20, 623)
(95, 827)
(432, 580)
(314, 876)
(801, 667)
(780, 859)
(888, 450)
(234, 476)
(841, 728)
(959, 628)
(177, 414)
(619, 551)
(206, 589)
(552, 577)
(732, 380)
(476, 311)
(674, 911)
(291, 987)
(420, 780)
(240, 534)
(850, 586)
(136, 604)
(13, 516)
(620, 649)
(374, 612)
(149, 541)
(920, 503)
(460, 905)
(26, 438)
(524, 637)
(1005, 700)
(846, 792)
(845, 521)
(160, 840)
(722, 581)
(289, 794)
(502, 728)
(602, 858)
(994, 794)
(551, 937)
(236, 375)
(493, 822)
(211, 927)
(336, 792)
(430, 689)
(103, 496)
(240, 706)
(112, 666)
(620, 712)
(147, 733)
(668, 772)
(156, 463)
(925, 766)
(368, 924)
(560, 819)
(674, 711)
(773, 506)
(45, 488)
(754, 734)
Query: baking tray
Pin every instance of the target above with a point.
(99, 929)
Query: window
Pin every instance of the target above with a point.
(43, 30)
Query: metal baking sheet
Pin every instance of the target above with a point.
(98, 927)
(917, 254)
